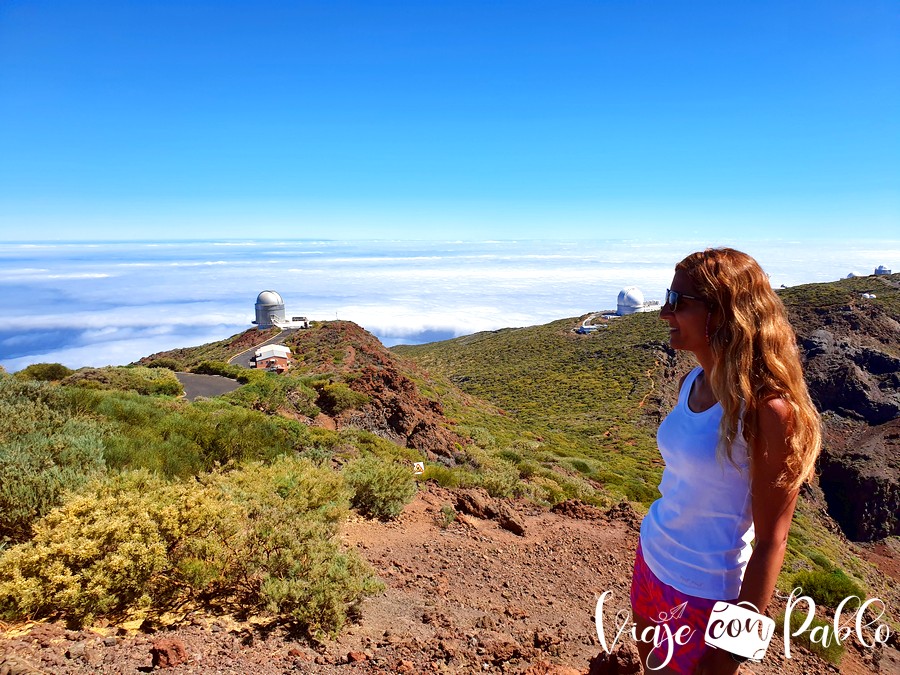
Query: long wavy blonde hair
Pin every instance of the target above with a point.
(756, 356)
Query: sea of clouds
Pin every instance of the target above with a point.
(110, 303)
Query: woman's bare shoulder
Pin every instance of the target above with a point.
(775, 412)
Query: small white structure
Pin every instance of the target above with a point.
(851, 275)
(881, 269)
(269, 310)
(868, 296)
(276, 358)
(631, 301)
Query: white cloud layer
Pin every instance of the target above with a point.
(99, 304)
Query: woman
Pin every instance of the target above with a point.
(738, 445)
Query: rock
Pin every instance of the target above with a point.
(75, 650)
(12, 664)
(356, 657)
(624, 512)
(864, 464)
(168, 653)
(502, 650)
(546, 668)
(624, 660)
(93, 656)
(628, 660)
(476, 502)
(575, 508)
(602, 664)
(508, 520)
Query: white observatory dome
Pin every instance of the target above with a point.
(630, 300)
(269, 309)
(269, 298)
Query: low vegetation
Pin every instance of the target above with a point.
(132, 544)
(45, 448)
(120, 499)
(817, 638)
(570, 417)
(141, 380)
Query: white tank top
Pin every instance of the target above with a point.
(696, 537)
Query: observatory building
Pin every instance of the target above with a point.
(269, 310)
(275, 358)
(631, 301)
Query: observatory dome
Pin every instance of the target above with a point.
(269, 298)
(269, 309)
(630, 300)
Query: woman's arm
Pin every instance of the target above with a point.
(773, 506)
(773, 509)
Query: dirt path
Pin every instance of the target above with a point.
(464, 596)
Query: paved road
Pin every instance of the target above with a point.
(205, 385)
(243, 359)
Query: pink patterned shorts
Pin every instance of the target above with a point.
(660, 604)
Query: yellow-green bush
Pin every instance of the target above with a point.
(381, 488)
(271, 393)
(258, 538)
(335, 398)
(827, 587)
(97, 554)
(139, 379)
(45, 372)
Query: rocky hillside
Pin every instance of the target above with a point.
(391, 404)
(852, 348)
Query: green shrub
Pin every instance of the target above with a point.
(95, 555)
(44, 450)
(832, 653)
(442, 475)
(380, 488)
(217, 368)
(140, 379)
(337, 397)
(527, 469)
(273, 393)
(827, 587)
(447, 516)
(45, 372)
(261, 538)
(177, 438)
(170, 364)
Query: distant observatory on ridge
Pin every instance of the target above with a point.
(270, 313)
(631, 301)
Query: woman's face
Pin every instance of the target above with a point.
(688, 323)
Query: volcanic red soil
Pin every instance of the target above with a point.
(462, 595)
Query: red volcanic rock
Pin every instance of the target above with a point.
(168, 653)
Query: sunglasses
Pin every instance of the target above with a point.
(672, 298)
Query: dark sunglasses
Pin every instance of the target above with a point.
(672, 298)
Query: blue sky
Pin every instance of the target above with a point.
(426, 119)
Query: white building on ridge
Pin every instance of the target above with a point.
(631, 301)
(270, 313)
(269, 310)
